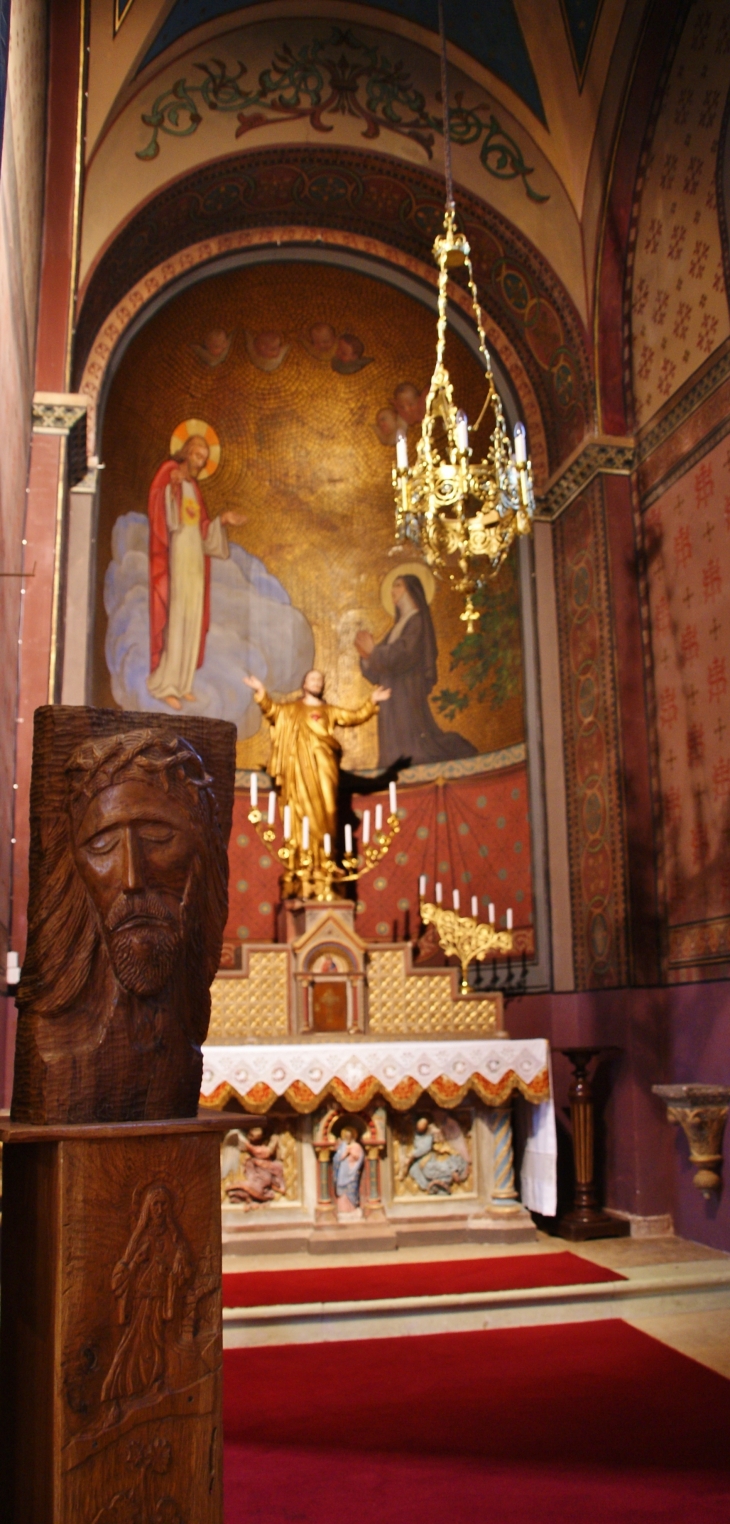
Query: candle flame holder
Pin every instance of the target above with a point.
(303, 880)
(464, 937)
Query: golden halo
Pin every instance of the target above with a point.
(407, 569)
(185, 431)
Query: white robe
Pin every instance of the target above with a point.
(174, 676)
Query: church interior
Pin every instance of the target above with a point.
(364, 781)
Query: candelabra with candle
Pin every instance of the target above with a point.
(463, 936)
(319, 876)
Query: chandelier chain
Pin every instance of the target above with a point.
(445, 102)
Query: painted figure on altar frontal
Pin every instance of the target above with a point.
(406, 658)
(127, 907)
(439, 1157)
(305, 753)
(182, 539)
(263, 1171)
(347, 1167)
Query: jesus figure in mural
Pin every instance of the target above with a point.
(305, 754)
(182, 539)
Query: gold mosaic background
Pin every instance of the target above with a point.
(300, 456)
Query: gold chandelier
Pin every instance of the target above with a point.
(462, 514)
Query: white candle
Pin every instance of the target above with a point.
(401, 452)
(378, 817)
(348, 840)
(366, 828)
(305, 832)
(272, 807)
(439, 894)
(456, 900)
(461, 432)
(492, 915)
(254, 790)
(520, 444)
(327, 844)
(393, 798)
(509, 920)
(422, 885)
(287, 822)
(474, 906)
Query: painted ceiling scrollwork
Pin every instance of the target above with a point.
(327, 77)
(368, 195)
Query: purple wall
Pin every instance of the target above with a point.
(666, 1035)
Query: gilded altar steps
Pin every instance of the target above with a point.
(651, 1290)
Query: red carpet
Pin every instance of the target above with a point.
(582, 1421)
(359, 1283)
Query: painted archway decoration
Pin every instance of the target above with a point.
(368, 197)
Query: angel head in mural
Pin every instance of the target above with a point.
(214, 349)
(409, 403)
(406, 659)
(349, 356)
(319, 341)
(182, 539)
(438, 1157)
(266, 350)
(388, 426)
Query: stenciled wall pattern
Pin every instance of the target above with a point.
(687, 537)
(679, 302)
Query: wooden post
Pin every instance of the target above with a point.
(110, 1339)
(585, 1220)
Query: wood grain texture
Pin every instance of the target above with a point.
(130, 817)
(111, 1330)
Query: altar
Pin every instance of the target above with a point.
(424, 1129)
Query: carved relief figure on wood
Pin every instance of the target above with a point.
(126, 918)
(146, 1282)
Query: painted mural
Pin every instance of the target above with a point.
(246, 522)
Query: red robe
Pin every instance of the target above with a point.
(160, 561)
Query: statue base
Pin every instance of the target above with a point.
(110, 1342)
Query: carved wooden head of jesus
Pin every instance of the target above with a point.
(124, 935)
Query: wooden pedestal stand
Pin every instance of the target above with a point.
(110, 1337)
(586, 1219)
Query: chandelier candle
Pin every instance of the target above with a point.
(271, 815)
(392, 795)
(366, 828)
(254, 791)
(509, 920)
(348, 840)
(456, 900)
(378, 817)
(327, 844)
(474, 906)
(287, 822)
(305, 832)
(492, 914)
(439, 894)
(422, 885)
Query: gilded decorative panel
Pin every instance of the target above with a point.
(399, 1002)
(256, 1006)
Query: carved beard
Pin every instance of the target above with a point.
(143, 953)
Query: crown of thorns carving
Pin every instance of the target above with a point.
(97, 765)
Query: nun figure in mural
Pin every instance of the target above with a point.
(182, 539)
(406, 659)
(347, 1166)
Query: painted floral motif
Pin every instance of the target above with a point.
(679, 306)
(688, 554)
(336, 76)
